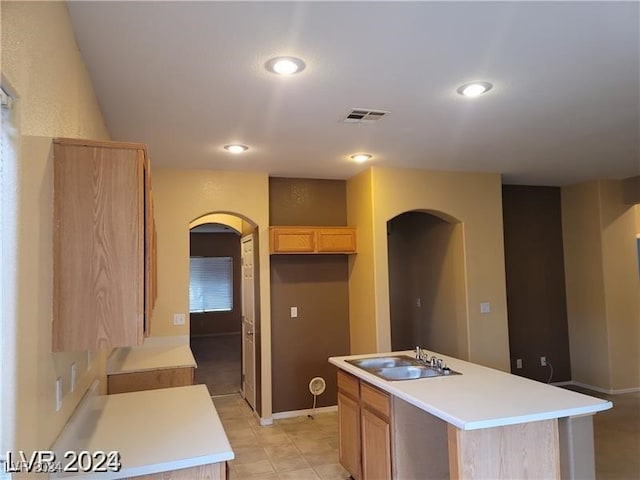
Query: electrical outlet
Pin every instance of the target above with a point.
(418, 302)
(543, 361)
(178, 318)
(485, 307)
(294, 312)
(89, 359)
(519, 363)
(72, 385)
(58, 394)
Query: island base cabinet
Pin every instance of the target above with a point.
(376, 451)
(212, 471)
(349, 425)
(526, 450)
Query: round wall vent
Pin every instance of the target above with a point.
(317, 385)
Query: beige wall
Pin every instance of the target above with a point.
(473, 199)
(603, 289)
(362, 308)
(42, 65)
(181, 196)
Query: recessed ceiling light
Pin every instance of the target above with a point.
(236, 148)
(474, 89)
(285, 65)
(361, 157)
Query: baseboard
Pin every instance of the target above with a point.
(608, 391)
(221, 334)
(561, 384)
(304, 413)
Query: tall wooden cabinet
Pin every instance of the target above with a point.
(104, 255)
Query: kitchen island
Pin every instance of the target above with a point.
(483, 423)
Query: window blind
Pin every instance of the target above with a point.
(210, 284)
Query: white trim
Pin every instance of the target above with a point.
(304, 413)
(266, 422)
(606, 390)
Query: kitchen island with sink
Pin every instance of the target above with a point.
(480, 423)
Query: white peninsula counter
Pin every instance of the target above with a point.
(159, 363)
(482, 424)
(173, 430)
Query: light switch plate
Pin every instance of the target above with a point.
(294, 312)
(89, 359)
(72, 382)
(178, 318)
(58, 394)
(485, 307)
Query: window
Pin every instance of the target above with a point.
(210, 284)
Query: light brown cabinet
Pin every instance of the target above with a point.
(312, 240)
(364, 418)
(349, 423)
(149, 380)
(104, 255)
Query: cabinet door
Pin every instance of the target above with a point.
(293, 240)
(349, 425)
(99, 245)
(337, 240)
(376, 447)
(149, 380)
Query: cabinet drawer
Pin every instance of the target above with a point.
(149, 380)
(375, 400)
(348, 384)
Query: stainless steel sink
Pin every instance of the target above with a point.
(407, 373)
(384, 362)
(399, 368)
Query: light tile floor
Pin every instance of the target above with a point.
(297, 448)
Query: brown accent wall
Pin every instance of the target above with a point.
(302, 201)
(426, 284)
(219, 245)
(536, 296)
(317, 285)
(301, 346)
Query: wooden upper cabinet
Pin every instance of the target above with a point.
(310, 240)
(103, 246)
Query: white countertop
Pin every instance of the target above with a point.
(150, 356)
(154, 431)
(481, 397)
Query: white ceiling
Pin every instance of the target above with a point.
(187, 78)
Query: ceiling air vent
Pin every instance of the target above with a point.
(364, 115)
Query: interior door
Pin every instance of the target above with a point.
(248, 322)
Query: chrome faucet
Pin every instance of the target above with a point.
(422, 355)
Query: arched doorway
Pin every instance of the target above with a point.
(428, 304)
(224, 325)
